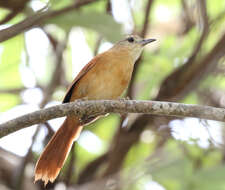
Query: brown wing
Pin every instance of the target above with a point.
(85, 69)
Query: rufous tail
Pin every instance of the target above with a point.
(55, 153)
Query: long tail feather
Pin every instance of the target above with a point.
(53, 157)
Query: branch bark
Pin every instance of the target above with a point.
(100, 107)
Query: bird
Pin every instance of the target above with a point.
(105, 77)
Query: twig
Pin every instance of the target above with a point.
(19, 178)
(90, 170)
(142, 34)
(55, 80)
(50, 130)
(184, 79)
(187, 17)
(205, 30)
(100, 107)
(51, 39)
(97, 44)
(10, 16)
(146, 21)
(70, 169)
(12, 91)
(217, 18)
(99, 38)
(37, 19)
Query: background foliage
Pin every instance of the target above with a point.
(186, 64)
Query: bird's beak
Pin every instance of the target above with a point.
(146, 41)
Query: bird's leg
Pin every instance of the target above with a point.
(82, 99)
(124, 98)
(124, 115)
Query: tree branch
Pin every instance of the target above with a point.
(12, 91)
(143, 33)
(94, 108)
(37, 19)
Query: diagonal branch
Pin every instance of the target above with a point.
(90, 170)
(143, 33)
(186, 78)
(174, 88)
(37, 19)
(100, 107)
(146, 20)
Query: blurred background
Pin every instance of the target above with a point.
(136, 152)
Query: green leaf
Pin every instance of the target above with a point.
(9, 62)
(100, 22)
(7, 101)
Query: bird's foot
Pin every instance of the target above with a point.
(82, 99)
(124, 98)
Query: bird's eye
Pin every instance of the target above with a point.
(130, 39)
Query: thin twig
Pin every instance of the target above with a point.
(55, 80)
(90, 170)
(70, 170)
(217, 18)
(146, 20)
(142, 34)
(19, 178)
(205, 30)
(37, 19)
(12, 91)
(10, 16)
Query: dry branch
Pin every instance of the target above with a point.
(93, 108)
(37, 19)
(143, 33)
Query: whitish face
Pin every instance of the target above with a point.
(131, 43)
(134, 45)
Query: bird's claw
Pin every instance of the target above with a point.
(82, 99)
(124, 98)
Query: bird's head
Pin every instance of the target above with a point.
(133, 44)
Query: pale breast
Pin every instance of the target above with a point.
(105, 80)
